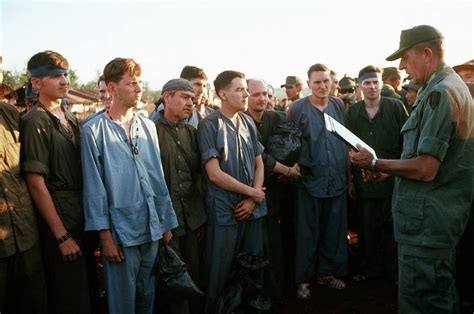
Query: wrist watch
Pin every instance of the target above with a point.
(374, 164)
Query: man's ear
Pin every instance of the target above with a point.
(428, 54)
(112, 88)
(36, 83)
(222, 95)
(166, 97)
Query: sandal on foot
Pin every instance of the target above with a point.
(331, 282)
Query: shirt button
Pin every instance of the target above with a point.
(5, 190)
(178, 142)
(11, 208)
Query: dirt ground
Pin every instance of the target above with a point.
(370, 297)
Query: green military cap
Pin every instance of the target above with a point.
(346, 83)
(388, 91)
(412, 86)
(292, 81)
(413, 36)
(390, 71)
(465, 66)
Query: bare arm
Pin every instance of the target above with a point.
(229, 183)
(292, 173)
(43, 201)
(245, 208)
(421, 168)
(259, 176)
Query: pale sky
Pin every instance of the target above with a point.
(264, 39)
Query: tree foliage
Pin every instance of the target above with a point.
(15, 79)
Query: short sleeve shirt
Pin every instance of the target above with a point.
(48, 149)
(236, 147)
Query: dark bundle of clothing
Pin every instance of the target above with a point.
(244, 292)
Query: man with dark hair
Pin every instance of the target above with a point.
(51, 163)
(411, 91)
(293, 87)
(231, 156)
(22, 282)
(377, 121)
(181, 165)
(434, 186)
(321, 220)
(392, 77)
(125, 193)
(198, 79)
(104, 97)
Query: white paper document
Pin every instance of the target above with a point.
(342, 133)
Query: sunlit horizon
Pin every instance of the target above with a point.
(264, 40)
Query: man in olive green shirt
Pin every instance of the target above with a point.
(22, 282)
(434, 185)
(181, 166)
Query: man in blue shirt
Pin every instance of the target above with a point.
(231, 155)
(125, 194)
(321, 222)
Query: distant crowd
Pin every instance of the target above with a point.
(256, 195)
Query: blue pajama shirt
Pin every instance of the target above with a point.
(126, 193)
(236, 147)
(321, 219)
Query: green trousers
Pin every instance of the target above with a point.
(426, 280)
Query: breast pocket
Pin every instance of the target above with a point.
(410, 134)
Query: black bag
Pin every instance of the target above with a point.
(172, 274)
(285, 143)
(244, 290)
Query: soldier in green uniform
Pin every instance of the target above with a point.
(434, 185)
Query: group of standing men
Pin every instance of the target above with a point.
(122, 182)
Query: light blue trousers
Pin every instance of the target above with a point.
(130, 285)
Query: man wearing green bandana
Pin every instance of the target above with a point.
(434, 186)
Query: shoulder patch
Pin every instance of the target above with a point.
(434, 100)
